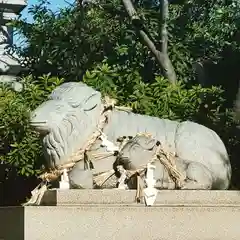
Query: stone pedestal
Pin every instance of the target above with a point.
(113, 214)
(9, 66)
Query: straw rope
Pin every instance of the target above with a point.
(167, 159)
(108, 106)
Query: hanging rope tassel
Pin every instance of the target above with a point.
(37, 195)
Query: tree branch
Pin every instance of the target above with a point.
(161, 56)
(164, 18)
(130, 10)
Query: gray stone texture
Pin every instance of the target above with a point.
(182, 215)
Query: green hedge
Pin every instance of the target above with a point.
(21, 148)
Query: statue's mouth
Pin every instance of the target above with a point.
(36, 123)
(40, 126)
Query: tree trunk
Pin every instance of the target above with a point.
(237, 104)
(161, 56)
(168, 68)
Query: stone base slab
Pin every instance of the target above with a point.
(119, 222)
(109, 215)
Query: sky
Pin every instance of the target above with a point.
(54, 5)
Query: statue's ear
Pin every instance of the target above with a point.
(92, 101)
(146, 142)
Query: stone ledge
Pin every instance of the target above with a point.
(123, 197)
(128, 223)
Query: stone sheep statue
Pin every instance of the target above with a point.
(71, 115)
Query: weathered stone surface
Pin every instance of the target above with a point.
(182, 215)
(12, 81)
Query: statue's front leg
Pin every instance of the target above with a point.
(198, 177)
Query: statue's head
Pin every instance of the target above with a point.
(49, 115)
(66, 120)
(77, 95)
